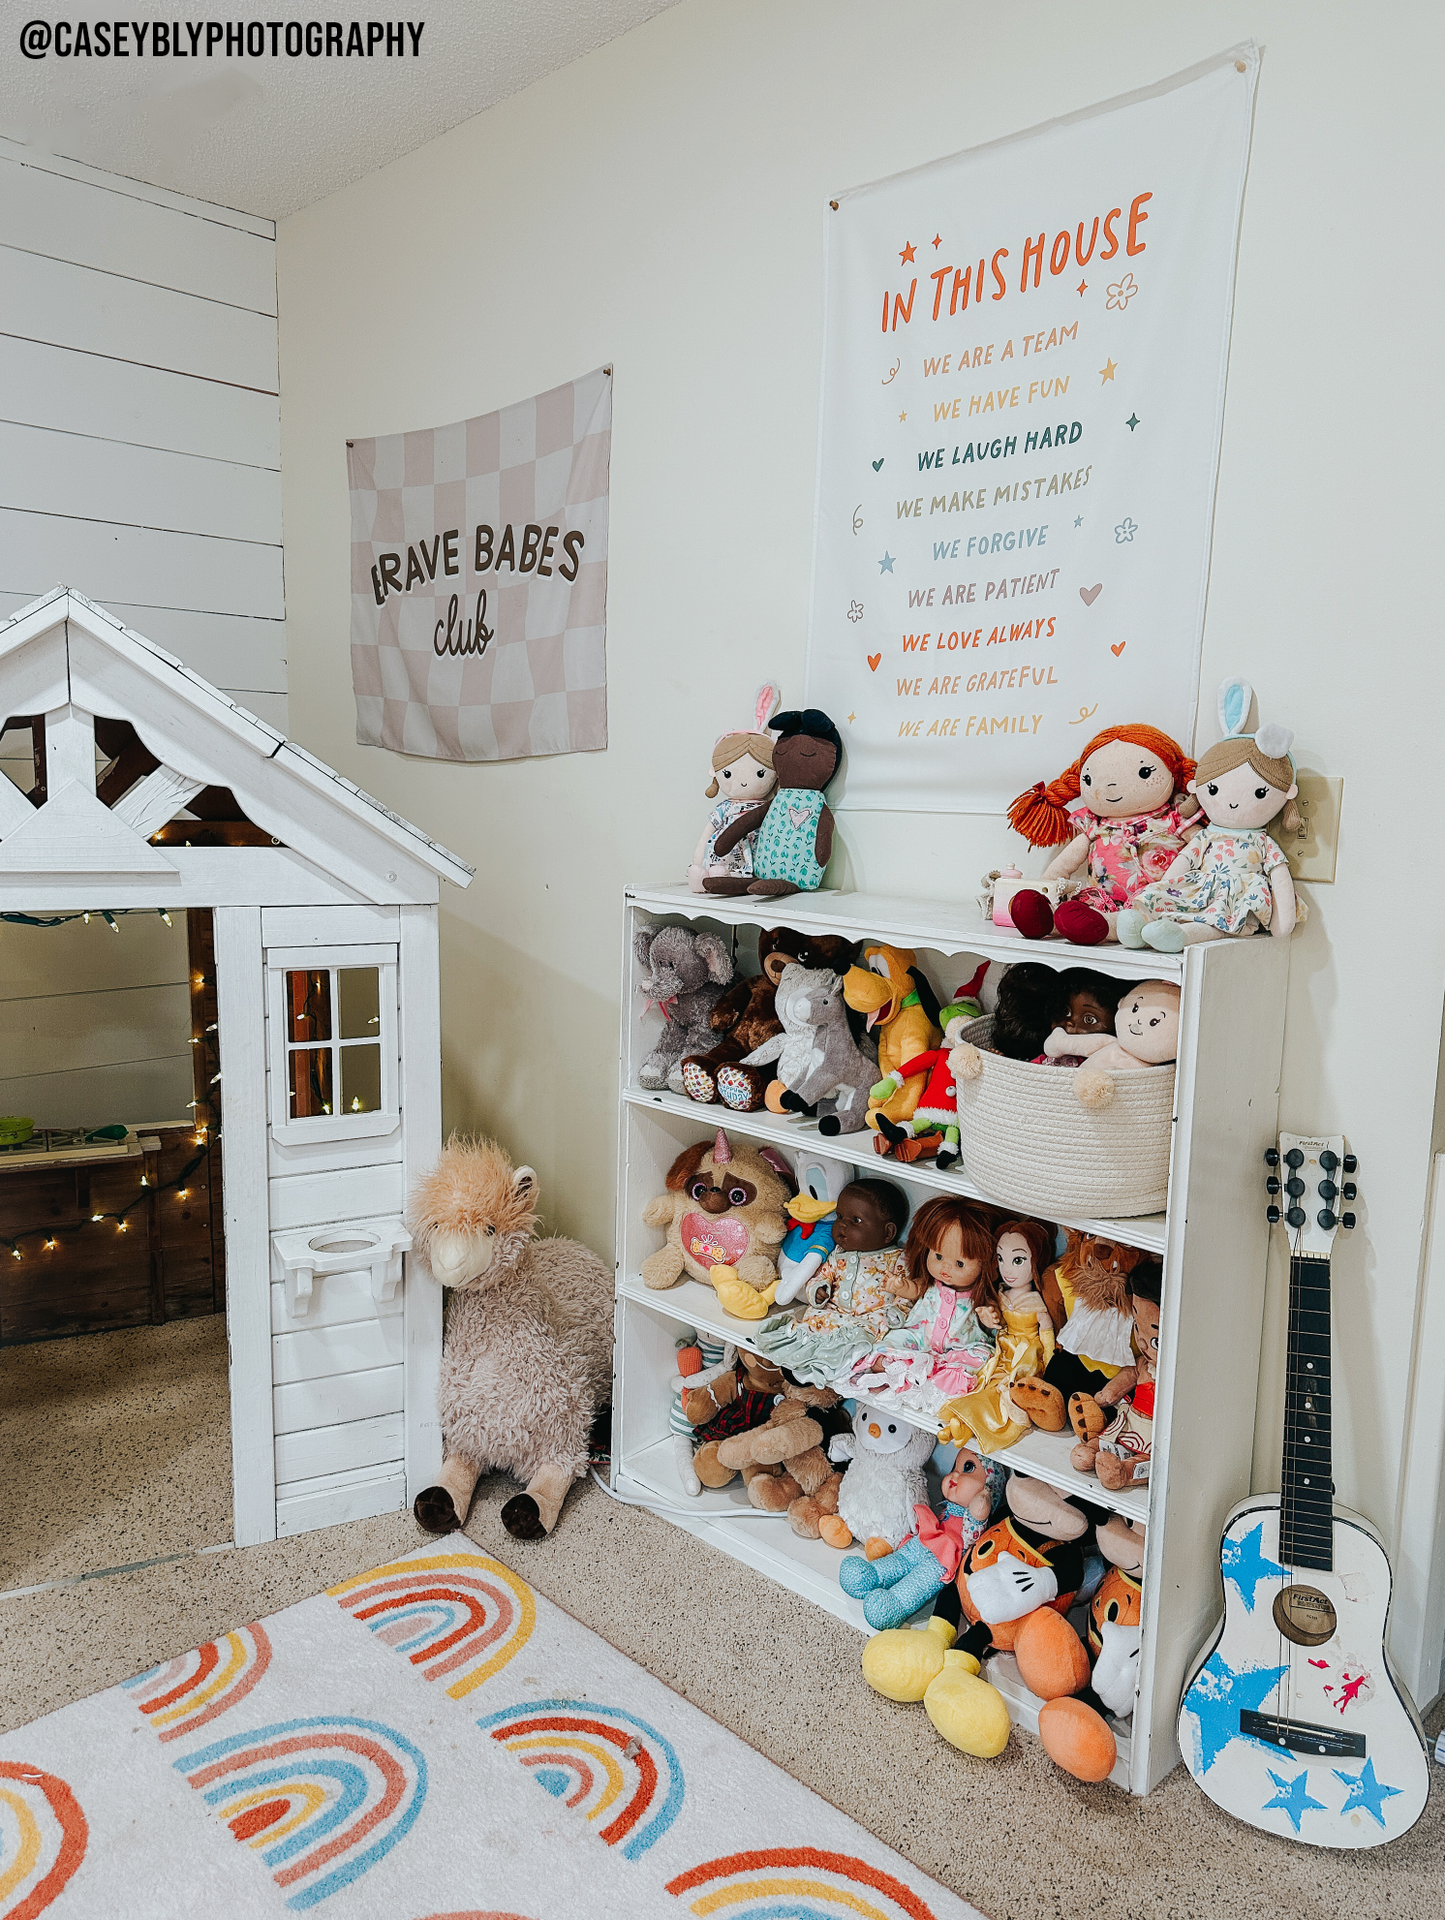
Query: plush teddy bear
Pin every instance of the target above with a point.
(527, 1359)
(816, 1054)
(724, 1213)
(783, 1465)
(745, 1016)
(686, 975)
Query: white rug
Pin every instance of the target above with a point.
(428, 1741)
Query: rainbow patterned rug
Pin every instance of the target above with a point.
(428, 1741)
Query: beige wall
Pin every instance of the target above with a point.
(660, 206)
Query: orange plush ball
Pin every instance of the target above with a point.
(1052, 1658)
(1077, 1739)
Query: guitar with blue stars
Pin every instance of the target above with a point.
(1292, 1718)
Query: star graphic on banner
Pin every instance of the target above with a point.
(851, 718)
(1083, 288)
(1078, 519)
(1294, 1797)
(938, 239)
(907, 254)
(885, 565)
(1132, 422)
(903, 416)
(1107, 372)
(1365, 1791)
(1243, 1562)
(1219, 1695)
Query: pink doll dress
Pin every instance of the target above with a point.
(1125, 855)
(1221, 880)
(938, 1353)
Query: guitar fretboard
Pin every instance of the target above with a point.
(1306, 1487)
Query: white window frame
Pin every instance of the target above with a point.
(332, 1126)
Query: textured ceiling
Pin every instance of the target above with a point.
(270, 135)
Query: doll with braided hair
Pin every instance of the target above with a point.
(1122, 812)
(1232, 878)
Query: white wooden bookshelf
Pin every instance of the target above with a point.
(1212, 1239)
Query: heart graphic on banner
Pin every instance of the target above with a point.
(1117, 650)
(876, 465)
(1090, 594)
(873, 660)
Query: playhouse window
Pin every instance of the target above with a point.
(334, 1065)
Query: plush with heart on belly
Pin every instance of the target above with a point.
(725, 1216)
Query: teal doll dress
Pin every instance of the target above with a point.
(787, 838)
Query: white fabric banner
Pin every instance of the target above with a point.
(1023, 391)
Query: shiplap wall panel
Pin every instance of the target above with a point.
(314, 1353)
(356, 1443)
(137, 189)
(155, 1092)
(70, 306)
(46, 213)
(300, 1513)
(346, 1193)
(109, 560)
(340, 1397)
(75, 474)
(336, 1298)
(95, 393)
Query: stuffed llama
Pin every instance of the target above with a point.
(527, 1358)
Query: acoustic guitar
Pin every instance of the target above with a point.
(1292, 1718)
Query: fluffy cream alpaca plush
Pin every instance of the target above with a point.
(527, 1358)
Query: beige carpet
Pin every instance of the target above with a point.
(1013, 1835)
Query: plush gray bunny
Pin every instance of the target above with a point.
(685, 974)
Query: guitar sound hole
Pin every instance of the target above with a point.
(1305, 1616)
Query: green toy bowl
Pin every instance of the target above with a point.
(15, 1132)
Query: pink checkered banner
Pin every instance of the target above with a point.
(479, 580)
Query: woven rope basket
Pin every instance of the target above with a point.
(1029, 1143)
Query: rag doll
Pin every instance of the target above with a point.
(851, 1303)
(809, 1240)
(884, 1483)
(816, 1053)
(1086, 1291)
(1146, 1034)
(795, 827)
(1031, 1001)
(935, 1117)
(1090, 1003)
(742, 775)
(949, 1333)
(987, 1417)
(1115, 1426)
(895, 998)
(1232, 878)
(897, 1584)
(1133, 814)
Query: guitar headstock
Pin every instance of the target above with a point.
(1308, 1177)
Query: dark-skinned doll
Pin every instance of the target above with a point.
(861, 1291)
(795, 826)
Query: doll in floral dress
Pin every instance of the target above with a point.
(948, 1336)
(1232, 878)
(1131, 819)
(861, 1291)
(742, 776)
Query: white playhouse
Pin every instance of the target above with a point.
(324, 911)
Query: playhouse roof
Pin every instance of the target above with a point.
(64, 652)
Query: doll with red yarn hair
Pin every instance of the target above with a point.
(1123, 811)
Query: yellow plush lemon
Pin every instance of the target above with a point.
(900, 1662)
(969, 1713)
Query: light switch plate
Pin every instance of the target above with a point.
(1311, 851)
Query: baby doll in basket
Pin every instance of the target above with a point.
(948, 1337)
(861, 1291)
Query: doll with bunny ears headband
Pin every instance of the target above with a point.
(1232, 878)
(742, 774)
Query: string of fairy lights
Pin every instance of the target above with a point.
(50, 1235)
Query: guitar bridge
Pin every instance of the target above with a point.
(1302, 1736)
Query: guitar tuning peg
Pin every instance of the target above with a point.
(1295, 1217)
(1271, 1185)
(1272, 1215)
(1349, 1190)
(1271, 1156)
(1347, 1219)
(1350, 1163)
(1294, 1188)
(1327, 1189)
(1329, 1160)
(1326, 1219)
(1294, 1158)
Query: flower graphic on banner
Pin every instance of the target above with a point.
(855, 612)
(1121, 292)
(1125, 530)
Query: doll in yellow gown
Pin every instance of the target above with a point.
(1025, 1344)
